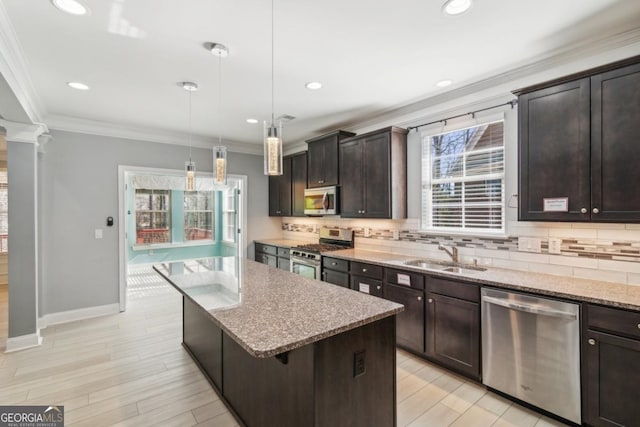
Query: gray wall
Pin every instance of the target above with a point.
(22, 238)
(79, 191)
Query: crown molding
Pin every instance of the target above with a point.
(23, 132)
(13, 67)
(562, 61)
(140, 133)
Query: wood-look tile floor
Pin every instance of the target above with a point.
(130, 370)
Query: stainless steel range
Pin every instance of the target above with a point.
(306, 259)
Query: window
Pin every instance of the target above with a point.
(4, 212)
(153, 216)
(463, 180)
(198, 215)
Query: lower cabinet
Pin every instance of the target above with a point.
(611, 357)
(335, 271)
(273, 256)
(410, 322)
(367, 285)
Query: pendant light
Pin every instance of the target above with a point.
(219, 151)
(190, 166)
(272, 133)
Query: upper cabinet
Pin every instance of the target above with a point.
(577, 144)
(298, 182)
(373, 175)
(280, 191)
(323, 159)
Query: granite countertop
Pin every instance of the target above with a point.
(612, 294)
(268, 311)
(283, 243)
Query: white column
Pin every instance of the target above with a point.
(22, 149)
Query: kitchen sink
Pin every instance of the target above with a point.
(450, 267)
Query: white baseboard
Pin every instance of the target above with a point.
(79, 314)
(23, 342)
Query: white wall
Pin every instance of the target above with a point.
(78, 192)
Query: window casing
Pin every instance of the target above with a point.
(153, 216)
(463, 180)
(198, 215)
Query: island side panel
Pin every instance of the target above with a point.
(203, 339)
(345, 398)
(265, 392)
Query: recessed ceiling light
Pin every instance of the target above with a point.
(72, 7)
(78, 85)
(252, 121)
(313, 85)
(189, 86)
(456, 7)
(444, 83)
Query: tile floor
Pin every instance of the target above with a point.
(130, 370)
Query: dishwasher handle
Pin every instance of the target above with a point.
(529, 308)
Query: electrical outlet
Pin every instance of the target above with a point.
(359, 363)
(98, 233)
(529, 244)
(396, 235)
(367, 232)
(555, 245)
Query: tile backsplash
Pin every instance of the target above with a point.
(606, 252)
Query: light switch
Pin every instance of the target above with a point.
(529, 244)
(98, 233)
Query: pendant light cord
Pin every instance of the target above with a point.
(190, 131)
(272, 67)
(219, 100)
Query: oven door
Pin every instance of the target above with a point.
(305, 268)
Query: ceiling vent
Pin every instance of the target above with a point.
(285, 118)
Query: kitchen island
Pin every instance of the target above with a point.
(284, 350)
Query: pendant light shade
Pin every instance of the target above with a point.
(272, 149)
(189, 165)
(219, 151)
(272, 134)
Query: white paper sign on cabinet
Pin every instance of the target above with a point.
(556, 204)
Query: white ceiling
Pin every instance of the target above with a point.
(371, 56)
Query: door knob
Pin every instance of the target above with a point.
(596, 210)
(583, 210)
(592, 341)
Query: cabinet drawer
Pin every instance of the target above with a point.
(451, 288)
(367, 270)
(283, 252)
(367, 285)
(335, 264)
(336, 277)
(619, 322)
(405, 278)
(267, 249)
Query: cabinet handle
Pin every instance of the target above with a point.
(419, 298)
(638, 325)
(324, 274)
(430, 300)
(380, 287)
(591, 341)
(321, 182)
(364, 270)
(334, 263)
(583, 210)
(596, 210)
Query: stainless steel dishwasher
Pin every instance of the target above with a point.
(531, 350)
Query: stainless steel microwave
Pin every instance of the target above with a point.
(321, 201)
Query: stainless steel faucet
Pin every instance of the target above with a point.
(453, 253)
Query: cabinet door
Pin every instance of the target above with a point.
(351, 177)
(453, 333)
(612, 378)
(376, 188)
(315, 161)
(336, 277)
(554, 152)
(280, 191)
(331, 167)
(367, 285)
(299, 182)
(284, 263)
(274, 196)
(270, 260)
(410, 322)
(615, 145)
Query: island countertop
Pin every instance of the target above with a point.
(268, 311)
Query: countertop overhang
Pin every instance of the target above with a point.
(274, 311)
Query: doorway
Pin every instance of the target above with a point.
(160, 222)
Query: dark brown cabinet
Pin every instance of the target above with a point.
(273, 256)
(453, 325)
(373, 175)
(367, 285)
(280, 191)
(410, 322)
(298, 183)
(611, 356)
(578, 140)
(335, 271)
(323, 159)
